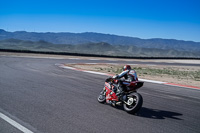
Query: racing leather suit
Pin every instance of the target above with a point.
(124, 78)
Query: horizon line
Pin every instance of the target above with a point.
(100, 33)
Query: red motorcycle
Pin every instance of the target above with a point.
(131, 100)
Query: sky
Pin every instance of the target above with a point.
(168, 19)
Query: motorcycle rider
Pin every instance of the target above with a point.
(128, 75)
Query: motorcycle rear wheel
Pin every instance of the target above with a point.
(102, 97)
(134, 103)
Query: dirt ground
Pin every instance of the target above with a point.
(177, 74)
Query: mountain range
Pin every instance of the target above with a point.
(98, 43)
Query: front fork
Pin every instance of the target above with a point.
(103, 92)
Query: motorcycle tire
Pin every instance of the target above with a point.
(134, 103)
(102, 97)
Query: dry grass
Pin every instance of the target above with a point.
(179, 74)
(176, 74)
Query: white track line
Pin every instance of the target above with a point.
(93, 59)
(68, 67)
(15, 124)
(152, 81)
(95, 72)
(74, 58)
(112, 63)
(133, 64)
(146, 80)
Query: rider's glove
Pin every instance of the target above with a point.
(115, 76)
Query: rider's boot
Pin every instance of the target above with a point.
(120, 93)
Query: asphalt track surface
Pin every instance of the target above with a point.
(45, 98)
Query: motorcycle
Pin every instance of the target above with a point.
(131, 100)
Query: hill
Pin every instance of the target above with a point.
(100, 48)
(90, 37)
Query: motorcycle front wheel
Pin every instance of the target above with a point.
(134, 103)
(102, 96)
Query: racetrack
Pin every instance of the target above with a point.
(45, 98)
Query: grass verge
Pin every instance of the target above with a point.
(173, 74)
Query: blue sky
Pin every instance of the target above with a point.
(170, 19)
